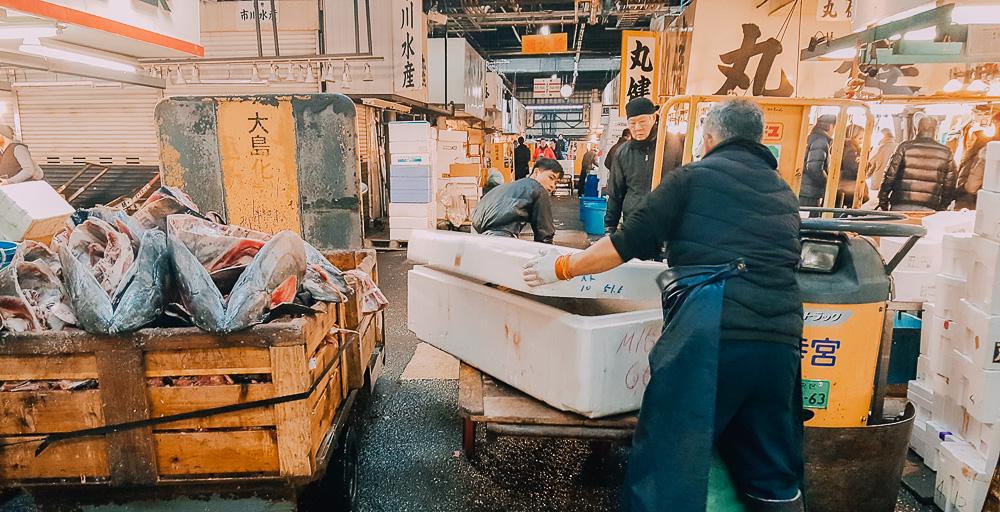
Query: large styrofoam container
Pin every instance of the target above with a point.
(412, 222)
(501, 260)
(956, 254)
(948, 293)
(914, 285)
(405, 131)
(412, 146)
(921, 395)
(991, 179)
(924, 256)
(962, 479)
(981, 340)
(31, 210)
(584, 356)
(941, 223)
(979, 390)
(413, 210)
(988, 214)
(983, 287)
(412, 159)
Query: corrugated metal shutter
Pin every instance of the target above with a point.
(104, 125)
(244, 44)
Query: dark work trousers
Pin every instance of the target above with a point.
(758, 417)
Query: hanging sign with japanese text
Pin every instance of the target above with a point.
(834, 10)
(640, 75)
(257, 146)
(409, 36)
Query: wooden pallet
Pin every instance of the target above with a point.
(382, 244)
(485, 401)
(288, 441)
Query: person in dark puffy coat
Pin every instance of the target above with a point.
(506, 209)
(817, 161)
(849, 165)
(921, 175)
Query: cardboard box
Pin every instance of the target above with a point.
(467, 170)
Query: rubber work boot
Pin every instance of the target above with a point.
(761, 505)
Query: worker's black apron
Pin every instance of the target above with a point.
(672, 447)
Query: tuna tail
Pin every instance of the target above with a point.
(281, 258)
(199, 295)
(323, 280)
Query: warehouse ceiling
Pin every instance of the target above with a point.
(495, 29)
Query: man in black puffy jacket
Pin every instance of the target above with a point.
(817, 161)
(505, 210)
(731, 205)
(922, 174)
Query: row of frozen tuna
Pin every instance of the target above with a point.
(165, 265)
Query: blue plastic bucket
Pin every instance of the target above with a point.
(7, 251)
(593, 215)
(585, 201)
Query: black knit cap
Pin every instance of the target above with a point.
(639, 107)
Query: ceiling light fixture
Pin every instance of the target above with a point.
(34, 47)
(953, 85)
(978, 85)
(329, 75)
(346, 77)
(368, 73)
(179, 77)
(255, 74)
(195, 74)
(544, 30)
(310, 75)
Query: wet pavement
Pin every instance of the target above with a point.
(411, 440)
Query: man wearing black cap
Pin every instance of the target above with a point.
(631, 176)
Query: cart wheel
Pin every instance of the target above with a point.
(343, 471)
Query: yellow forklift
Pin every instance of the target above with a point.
(855, 446)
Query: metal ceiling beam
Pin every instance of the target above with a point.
(81, 70)
(560, 64)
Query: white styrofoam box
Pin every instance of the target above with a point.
(924, 256)
(947, 412)
(500, 261)
(408, 131)
(918, 438)
(412, 222)
(428, 210)
(984, 437)
(402, 234)
(956, 254)
(991, 180)
(453, 135)
(919, 394)
(924, 369)
(941, 223)
(928, 338)
(936, 434)
(988, 214)
(411, 146)
(962, 479)
(447, 146)
(411, 159)
(589, 357)
(915, 286)
(981, 340)
(32, 210)
(983, 288)
(979, 390)
(948, 293)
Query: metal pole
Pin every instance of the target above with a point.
(274, 28)
(357, 27)
(256, 20)
(444, 9)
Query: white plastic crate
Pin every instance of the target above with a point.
(914, 286)
(962, 479)
(501, 260)
(956, 255)
(981, 340)
(924, 256)
(991, 180)
(979, 390)
(988, 214)
(983, 288)
(585, 356)
(32, 210)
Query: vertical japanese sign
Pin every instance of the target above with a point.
(834, 10)
(409, 41)
(640, 74)
(840, 349)
(475, 83)
(259, 171)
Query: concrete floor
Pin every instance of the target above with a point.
(410, 436)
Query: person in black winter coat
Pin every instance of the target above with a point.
(922, 174)
(733, 204)
(631, 176)
(610, 157)
(849, 165)
(507, 208)
(522, 159)
(817, 161)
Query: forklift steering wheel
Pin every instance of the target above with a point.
(861, 222)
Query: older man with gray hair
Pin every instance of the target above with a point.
(16, 165)
(724, 374)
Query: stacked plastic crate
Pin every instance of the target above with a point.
(412, 180)
(957, 392)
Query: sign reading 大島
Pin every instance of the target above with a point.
(640, 60)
